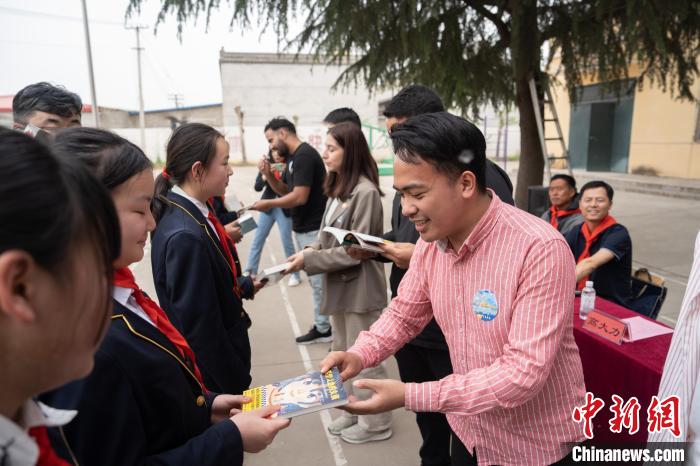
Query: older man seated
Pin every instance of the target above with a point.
(601, 246)
(564, 214)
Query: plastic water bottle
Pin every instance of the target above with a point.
(587, 300)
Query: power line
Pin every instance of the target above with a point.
(33, 13)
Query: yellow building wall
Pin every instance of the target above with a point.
(662, 129)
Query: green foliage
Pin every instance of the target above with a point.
(472, 51)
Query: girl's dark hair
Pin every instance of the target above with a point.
(51, 206)
(189, 143)
(357, 162)
(110, 157)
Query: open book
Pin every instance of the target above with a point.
(299, 395)
(272, 275)
(354, 239)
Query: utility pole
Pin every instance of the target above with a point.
(177, 99)
(91, 73)
(142, 115)
(241, 129)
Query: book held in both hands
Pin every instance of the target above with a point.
(299, 395)
(354, 239)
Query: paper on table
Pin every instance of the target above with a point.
(640, 328)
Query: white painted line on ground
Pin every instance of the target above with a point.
(333, 441)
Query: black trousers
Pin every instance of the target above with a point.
(419, 364)
(462, 457)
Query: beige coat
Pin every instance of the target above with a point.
(349, 285)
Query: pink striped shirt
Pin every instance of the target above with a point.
(517, 377)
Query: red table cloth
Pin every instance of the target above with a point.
(627, 370)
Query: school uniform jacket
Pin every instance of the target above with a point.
(142, 405)
(195, 288)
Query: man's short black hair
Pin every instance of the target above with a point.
(279, 123)
(598, 184)
(567, 178)
(413, 100)
(343, 115)
(450, 143)
(45, 97)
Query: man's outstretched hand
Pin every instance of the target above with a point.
(349, 364)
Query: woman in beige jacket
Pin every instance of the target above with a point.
(354, 292)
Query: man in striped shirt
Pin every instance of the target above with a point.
(500, 284)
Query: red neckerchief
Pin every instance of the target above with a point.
(607, 222)
(125, 279)
(226, 246)
(47, 456)
(555, 214)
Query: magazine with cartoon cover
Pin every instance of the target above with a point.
(299, 395)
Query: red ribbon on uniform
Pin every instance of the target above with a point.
(47, 456)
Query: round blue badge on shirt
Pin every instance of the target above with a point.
(485, 305)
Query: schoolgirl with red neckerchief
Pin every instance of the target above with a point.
(59, 234)
(195, 265)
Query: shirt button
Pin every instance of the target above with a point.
(200, 401)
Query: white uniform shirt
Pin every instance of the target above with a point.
(17, 448)
(202, 207)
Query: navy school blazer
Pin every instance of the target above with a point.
(195, 288)
(142, 405)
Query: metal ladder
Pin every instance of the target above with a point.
(540, 120)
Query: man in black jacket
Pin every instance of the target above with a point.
(425, 358)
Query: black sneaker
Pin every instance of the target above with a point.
(314, 336)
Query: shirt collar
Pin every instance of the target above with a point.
(481, 231)
(121, 294)
(20, 447)
(202, 207)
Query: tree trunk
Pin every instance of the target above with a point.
(526, 64)
(531, 162)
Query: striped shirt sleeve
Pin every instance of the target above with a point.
(403, 319)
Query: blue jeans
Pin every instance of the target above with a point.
(265, 222)
(322, 323)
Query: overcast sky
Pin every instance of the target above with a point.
(43, 40)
